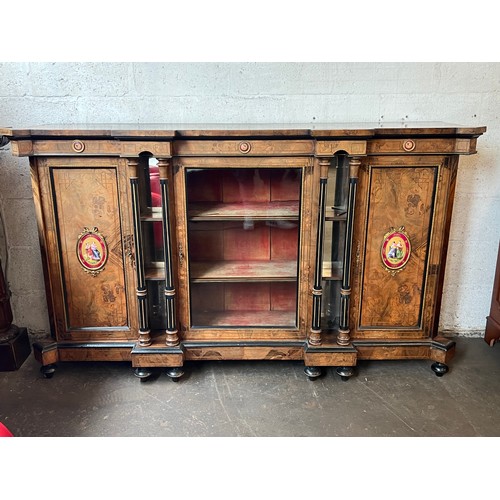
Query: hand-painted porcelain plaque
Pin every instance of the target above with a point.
(92, 250)
(396, 249)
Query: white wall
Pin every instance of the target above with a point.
(462, 93)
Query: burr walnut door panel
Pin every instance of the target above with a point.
(399, 243)
(85, 239)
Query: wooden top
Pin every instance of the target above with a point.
(167, 131)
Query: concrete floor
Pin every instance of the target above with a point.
(384, 398)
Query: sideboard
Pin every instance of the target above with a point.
(324, 244)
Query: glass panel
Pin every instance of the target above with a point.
(150, 187)
(156, 305)
(330, 314)
(333, 250)
(334, 240)
(338, 183)
(243, 244)
(151, 217)
(152, 236)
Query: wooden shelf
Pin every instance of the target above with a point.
(155, 273)
(152, 217)
(333, 214)
(332, 271)
(234, 271)
(243, 271)
(244, 319)
(277, 210)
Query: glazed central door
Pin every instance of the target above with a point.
(243, 249)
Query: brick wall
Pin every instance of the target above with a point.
(65, 93)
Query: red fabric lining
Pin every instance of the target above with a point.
(4, 432)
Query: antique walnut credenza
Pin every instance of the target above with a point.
(324, 244)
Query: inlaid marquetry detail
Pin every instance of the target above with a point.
(128, 246)
(422, 146)
(95, 298)
(331, 147)
(255, 148)
(399, 197)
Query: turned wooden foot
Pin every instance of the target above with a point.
(439, 369)
(175, 373)
(312, 372)
(345, 372)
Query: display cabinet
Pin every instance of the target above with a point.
(317, 244)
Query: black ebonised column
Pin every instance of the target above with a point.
(172, 338)
(343, 337)
(142, 290)
(317, 291)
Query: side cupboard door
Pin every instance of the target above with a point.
(401, 235)
(86, 248)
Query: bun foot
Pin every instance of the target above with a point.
(312, 372)
(345, 372)
(175, 373)
(439, 369)
(143, 373)
(48, 370)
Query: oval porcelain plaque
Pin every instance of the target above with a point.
(92, 251)
(396, 249)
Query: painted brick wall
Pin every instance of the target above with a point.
(65, 93)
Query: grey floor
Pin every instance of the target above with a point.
(384, 398)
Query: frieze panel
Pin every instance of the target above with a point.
(354, 148)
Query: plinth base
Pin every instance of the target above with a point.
(14, 348)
